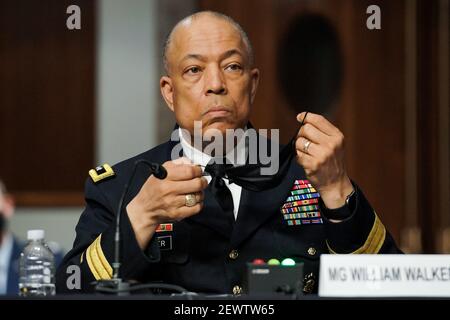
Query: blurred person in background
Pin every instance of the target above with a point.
(11, 247)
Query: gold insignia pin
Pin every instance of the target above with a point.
(101, 172)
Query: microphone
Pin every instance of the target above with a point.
(116, 284)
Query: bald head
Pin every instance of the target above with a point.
(201, 17)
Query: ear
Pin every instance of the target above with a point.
(254, 83)
(165, 84)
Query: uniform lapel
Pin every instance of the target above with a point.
(212, 216)
(256, 208)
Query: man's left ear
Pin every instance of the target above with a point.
(254, 84)
(165, 84)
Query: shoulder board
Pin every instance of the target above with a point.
(101, 173)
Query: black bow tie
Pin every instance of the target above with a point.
(217, 169)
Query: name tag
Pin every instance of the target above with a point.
(165, 242)
(384, 275)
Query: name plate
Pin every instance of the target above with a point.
(385, 275)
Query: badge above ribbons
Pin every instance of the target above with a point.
(302, 206)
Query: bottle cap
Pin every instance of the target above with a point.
(35, 234)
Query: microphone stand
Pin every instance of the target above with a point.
(116, 284)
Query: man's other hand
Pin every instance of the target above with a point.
(161, 201)
(320, 151)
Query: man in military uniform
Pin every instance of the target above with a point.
(177, 230)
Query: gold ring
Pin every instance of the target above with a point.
(190, 200)
(306, 146)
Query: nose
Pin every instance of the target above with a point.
(215, 82)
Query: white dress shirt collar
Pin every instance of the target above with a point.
(236, 156)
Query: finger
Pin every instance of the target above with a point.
(186, 212)
(320, 122)
(182, 160)
(189, 186)
(301, 117)
(310, 132)
(312, 149)
(180, 200)
(305, 160)
(199, 196)
(182, 172)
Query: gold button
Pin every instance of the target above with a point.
(309, 286)
(237, 290)
(233, 254)
(312, 251)
(309, 283)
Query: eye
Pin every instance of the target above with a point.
(234, 67)
(193, 70)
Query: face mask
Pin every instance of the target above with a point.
(249, 176)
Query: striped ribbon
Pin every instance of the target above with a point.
(301, 207)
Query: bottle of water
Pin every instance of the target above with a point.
(36, 267)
